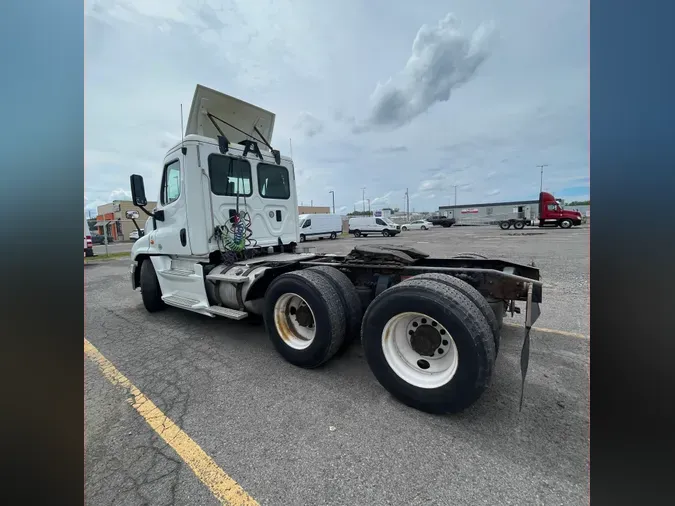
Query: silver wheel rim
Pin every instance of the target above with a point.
(430, 368)
(295, 333)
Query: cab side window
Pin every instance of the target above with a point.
(552, 207)
(170, 183)
(380, 222)
(308, 223)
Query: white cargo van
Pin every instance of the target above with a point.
(364, 225)
(319, 226)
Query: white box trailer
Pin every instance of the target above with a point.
(222, 242)
(319, 226)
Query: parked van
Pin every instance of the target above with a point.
(88, 246)
(364, 225)
(319, 226)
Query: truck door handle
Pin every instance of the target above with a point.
(183, 237)
(278, 215)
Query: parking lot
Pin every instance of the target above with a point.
(280, 435)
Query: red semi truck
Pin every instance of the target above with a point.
(551, 213)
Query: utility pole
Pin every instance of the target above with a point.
(407, 205)
(368, 205)
(333, 193)
(541, 181)
(290, 145)
(363, 198)
(454, 210)
(311, 203)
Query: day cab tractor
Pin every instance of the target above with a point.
(551, 213)
(223, 241)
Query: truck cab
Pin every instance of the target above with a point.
(552, 213)
(215, 191)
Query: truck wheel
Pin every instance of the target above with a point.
(357, 233)
(385, 233)
(333, 235)
(519, 225)
(303, 238)
(404, 229)
(349, 297)
(429, 346)
(504, 225)
(151, 293)
(565, 223)
(305, 318)
(470, 293)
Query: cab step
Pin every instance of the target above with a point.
(184, 302)
(225, 312)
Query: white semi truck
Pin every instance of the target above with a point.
(224, 242)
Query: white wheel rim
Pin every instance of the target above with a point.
(419, 370)
(294, 334)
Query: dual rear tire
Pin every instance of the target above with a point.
(311, 314)
(431, 340)
(430, 344)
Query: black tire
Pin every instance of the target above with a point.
(519, 225)
(303, 238)
(349, 297)
(89, 252)
(504, 225)
(333, 235)
(386, 233)
(464, 323)
(470, 293)
(404, 229)
(357, 233)
(364, 235)
(324, 301)
(424, 228)
(566, 223)
(151, 293)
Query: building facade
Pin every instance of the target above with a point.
(113, 216)
(313, 210)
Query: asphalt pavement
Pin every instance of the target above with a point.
(333, 435)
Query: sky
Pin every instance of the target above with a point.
(457, 98)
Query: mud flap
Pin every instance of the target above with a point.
(532, 313)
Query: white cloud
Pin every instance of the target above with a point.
(443, 58)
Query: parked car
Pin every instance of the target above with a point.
(88, 250)
(443, 221)
(417, 225)
(134, 234)
(97, 238)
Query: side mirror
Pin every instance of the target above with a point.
(132, 215)
(138, 191)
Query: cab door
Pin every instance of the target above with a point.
(170, 235)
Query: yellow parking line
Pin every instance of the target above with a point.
(221, 485)
(550, 331)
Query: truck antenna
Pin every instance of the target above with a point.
(182, 132)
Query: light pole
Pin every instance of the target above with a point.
(368, 206)
(541, 180)
(363, 198)
(333, 193)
